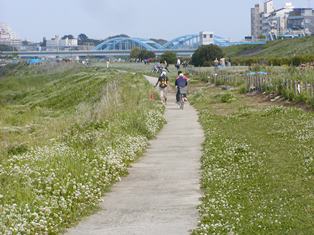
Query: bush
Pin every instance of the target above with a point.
(141, 54)
(273, 61)
(205, 55)
(311, 102)
(242, 90)
(227, 98)
(169, 56)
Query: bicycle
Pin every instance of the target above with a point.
(183, 92)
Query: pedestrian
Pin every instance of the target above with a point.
(216, 62)
(166, 66)
(178, 64)
(163, 84)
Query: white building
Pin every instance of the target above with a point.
(284, 22)
(8, 37)
(57, 43)
(206, 38)
(269, 7)
(277, 22)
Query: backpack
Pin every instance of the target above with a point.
(163, 82)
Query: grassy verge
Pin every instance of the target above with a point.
(65, 137)
(257, 166)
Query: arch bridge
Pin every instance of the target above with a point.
(186, 42)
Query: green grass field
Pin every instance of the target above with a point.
(279, 48)
(66, 134)
(257, 166)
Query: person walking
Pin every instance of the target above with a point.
(166, 66)
(178, 64)
(163, 86)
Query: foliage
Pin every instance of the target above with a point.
(65, 137)
(142, 54)
(205, 55)
(169, 56)
(242, 90)
(227, 98)
(280, 52)
(82, 39)
(254, 178)
(135, 53)
(7, 48)
(69, 36)
(273, 61)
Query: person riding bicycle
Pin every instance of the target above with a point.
(163, 84)
(181, 85)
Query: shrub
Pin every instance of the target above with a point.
(169, 56)
(301, 98)
(242, 90)
(205, 55)
(142, 54)
(227, 98)
(311, 102)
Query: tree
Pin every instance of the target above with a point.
(70, 36)
(7, 48)
(135, 52)
(142, 54)
(145, 54)
(82, 37)
(205, 55)
(169, 56)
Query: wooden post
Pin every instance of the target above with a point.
(305, 88)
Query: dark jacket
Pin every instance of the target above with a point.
(181, 81)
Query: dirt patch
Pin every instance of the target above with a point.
(251, 52)
(275, 99)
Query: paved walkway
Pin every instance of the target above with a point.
(161, 192)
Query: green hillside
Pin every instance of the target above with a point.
(67, 132)
(280, 48)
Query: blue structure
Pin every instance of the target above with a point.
(35, 61)
(126, 43)
(186, 42)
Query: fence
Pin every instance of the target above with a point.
(262, 82)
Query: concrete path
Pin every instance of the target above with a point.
(161, 192)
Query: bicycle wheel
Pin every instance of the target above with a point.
(181, 102)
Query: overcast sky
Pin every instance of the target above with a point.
(34, 19)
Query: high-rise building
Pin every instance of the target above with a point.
(268, 7)
(8, 37)
(301, 20)
(284, 22)
(256, 21)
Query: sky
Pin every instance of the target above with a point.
(34, 19)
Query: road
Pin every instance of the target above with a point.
(161, 193)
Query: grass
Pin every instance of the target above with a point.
(65, 137)
(279, 48)
(257, 166)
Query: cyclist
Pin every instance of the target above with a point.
(181, 85)
(163, 84)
